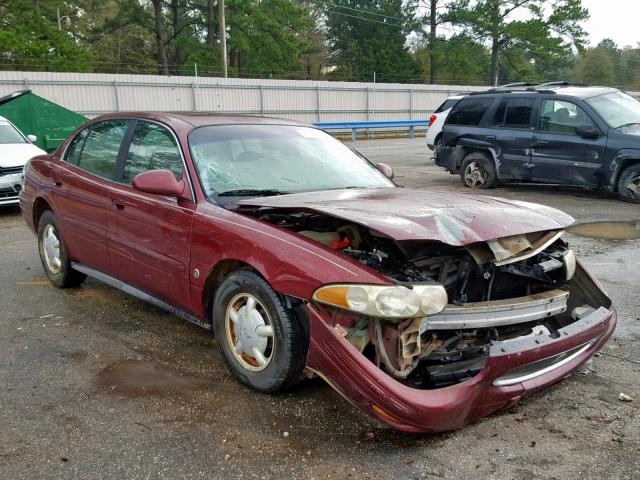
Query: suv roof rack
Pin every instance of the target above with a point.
(524, 87)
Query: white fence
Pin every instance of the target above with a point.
(92, 94)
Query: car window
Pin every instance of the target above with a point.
(469, 111)
(561, 116)
(447, 104)
(98, 152)
(513, 113)
(152, 148)
(8, 134)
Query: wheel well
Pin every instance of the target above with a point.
(465, 150)
(628, 164)
(39, 207)
(217, 274)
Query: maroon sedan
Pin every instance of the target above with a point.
(426, 310)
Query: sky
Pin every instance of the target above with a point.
(615, 19)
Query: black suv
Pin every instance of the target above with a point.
(555, 132)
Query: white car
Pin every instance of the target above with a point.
(436, 121)
(16, 150)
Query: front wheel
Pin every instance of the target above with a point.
(477, 171)
(629, 184)
(264, 344)
(53, 254)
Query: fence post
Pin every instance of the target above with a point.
(194, 106)
(115, 91)
(261, 101)
(410, 104)
(367, 101)
(317, 103)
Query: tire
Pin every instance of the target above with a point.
(629, 184)
(477, 171)
(437, 146)
(284, 350)
(54, 255)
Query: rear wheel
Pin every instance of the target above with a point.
(629, 184)
(477, 171)
(437, 146)
(53, 254)
(263, 343)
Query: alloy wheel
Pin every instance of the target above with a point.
(474, 177)
(51, 248)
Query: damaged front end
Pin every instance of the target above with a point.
(500, 313)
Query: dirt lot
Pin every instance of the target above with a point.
(96, 384)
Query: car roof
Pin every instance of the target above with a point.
(558, 88)
(200, 119)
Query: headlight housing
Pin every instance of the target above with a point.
(569, 260)
(385, 301)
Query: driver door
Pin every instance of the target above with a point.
(152, 245)
(558, 153)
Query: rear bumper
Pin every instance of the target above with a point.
(450, 408)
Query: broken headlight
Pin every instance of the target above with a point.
(569, 260)
(385, 301)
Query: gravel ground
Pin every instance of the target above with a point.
(96, 384)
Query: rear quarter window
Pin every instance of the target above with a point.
(469, 111)
(446, 105)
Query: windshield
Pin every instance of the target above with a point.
(244, 160)
(617, 109)
(8, 134)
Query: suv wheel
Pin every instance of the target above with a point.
(53, 254)
(477, 171)
(629, 184)
(264, 344)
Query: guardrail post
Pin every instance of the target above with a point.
(410, 133)
(353, 135)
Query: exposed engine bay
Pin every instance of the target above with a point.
(499, 290)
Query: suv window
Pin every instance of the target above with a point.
(447, 104)
(152, 148)
(95, 149)
(469, 111)
(513, 113)
(561, 116)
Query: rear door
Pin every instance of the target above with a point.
(81, 197)
(510, 132)
(151, 246)
(559, 155)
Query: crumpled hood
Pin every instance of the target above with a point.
(411, 214)
(17, 154)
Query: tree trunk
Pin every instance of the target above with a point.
(161, 37)
(211, 23)
(495, 61)
(433, 24)
(177, 17)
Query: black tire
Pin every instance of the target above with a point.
(437, 146)
(629, 184)
(477, 171)
(288, 343)
(64, 276)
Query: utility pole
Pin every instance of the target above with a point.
(223, 38)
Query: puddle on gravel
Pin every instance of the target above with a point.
(607, 230)
(136, 378)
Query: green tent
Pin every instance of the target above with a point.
(35, 115)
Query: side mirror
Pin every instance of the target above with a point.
(32, 138)
(159, 182)
(386, 169)
(587, 131)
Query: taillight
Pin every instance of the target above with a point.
(432, 119)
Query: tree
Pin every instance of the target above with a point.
(550, 31)
(367, 36)
(30, 38)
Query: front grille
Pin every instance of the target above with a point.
(539, 367)
(6, 193)
(10, 170)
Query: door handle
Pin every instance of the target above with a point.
(539, 143)
(57, 183)
(118, 204)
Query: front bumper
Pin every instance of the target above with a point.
(528, 361)
(10, 189)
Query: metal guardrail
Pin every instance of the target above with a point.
(354, 126)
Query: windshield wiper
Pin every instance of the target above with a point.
(247, 192)
(627, 125)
